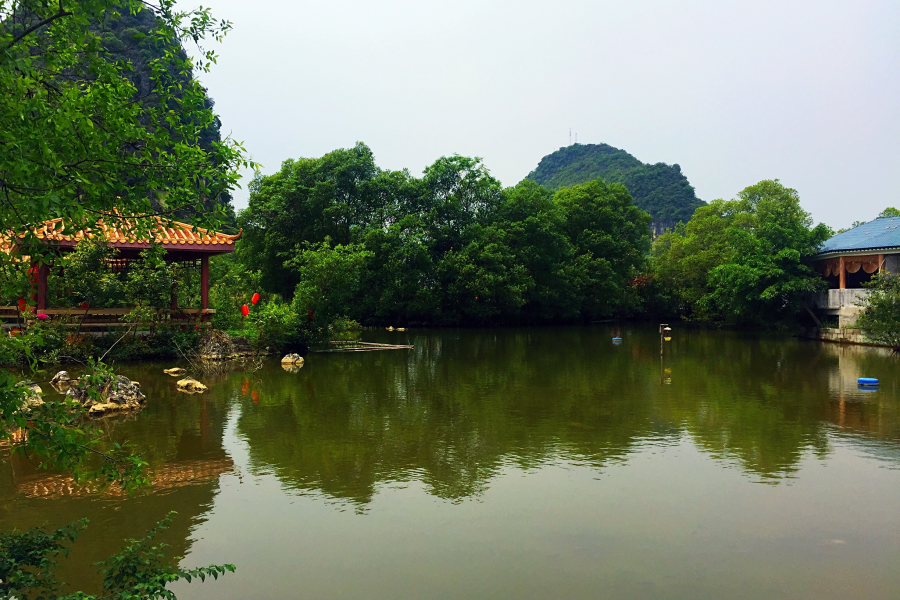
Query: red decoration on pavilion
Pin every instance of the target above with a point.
(245, 310)
(254, 299)
(85, 305)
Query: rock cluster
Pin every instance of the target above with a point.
(119, 395)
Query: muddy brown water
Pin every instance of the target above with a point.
(513, 463)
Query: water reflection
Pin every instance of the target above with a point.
(463, 407)
(462, 404)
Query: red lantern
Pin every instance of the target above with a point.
(22, 305)
(245, 310)
(84, 305)
(254, 299)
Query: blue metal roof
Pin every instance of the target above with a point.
(880, 234)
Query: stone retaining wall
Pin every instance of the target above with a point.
(840, 336)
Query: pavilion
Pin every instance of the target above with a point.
(850, 259)
(185, 244)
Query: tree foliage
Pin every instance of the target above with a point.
(81, 138)
(139, 571)
(880, 322)
(743, 261)
(450, 247)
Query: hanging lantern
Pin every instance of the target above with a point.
(22, 305)
(245, 310)
(254, 299)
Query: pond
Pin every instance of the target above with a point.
(514, 463)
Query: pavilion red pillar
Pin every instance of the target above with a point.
(204, 283)
(843, 274)
(38, 276)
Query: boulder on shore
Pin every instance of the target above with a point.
(218, 345)
(190, 385)
(174, 371)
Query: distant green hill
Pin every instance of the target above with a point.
(127, 37)
(662, 190)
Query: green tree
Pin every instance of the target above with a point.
(881, 320)
(890, 211)
(306, 201)
(80, 142)
(86, 275)
(329, 279)
(611, 238)
(743, 261)
(535, 231)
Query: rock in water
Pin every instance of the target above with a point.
(292, 359)
(123, 391)
(292, 367)
(191, 385)
(174, 371)
(32, 394)
(62, 381)
(120, 395)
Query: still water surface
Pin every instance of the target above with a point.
(515, 464)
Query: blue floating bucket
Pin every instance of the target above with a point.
(867, 381)
(617, 340)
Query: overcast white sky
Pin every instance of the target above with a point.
(807, 91)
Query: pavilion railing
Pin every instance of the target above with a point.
(93, 318)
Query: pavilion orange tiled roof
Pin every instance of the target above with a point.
(168, 233)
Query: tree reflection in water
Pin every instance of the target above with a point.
(460, 405)
(464, 405)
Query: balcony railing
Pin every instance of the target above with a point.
(93, 318)
(837, 299)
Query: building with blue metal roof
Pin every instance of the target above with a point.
(850, 259)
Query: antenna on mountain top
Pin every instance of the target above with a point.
(570, 136)
(576, 138)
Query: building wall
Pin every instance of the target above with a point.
(892, 263)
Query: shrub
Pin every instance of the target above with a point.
(880, 322)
